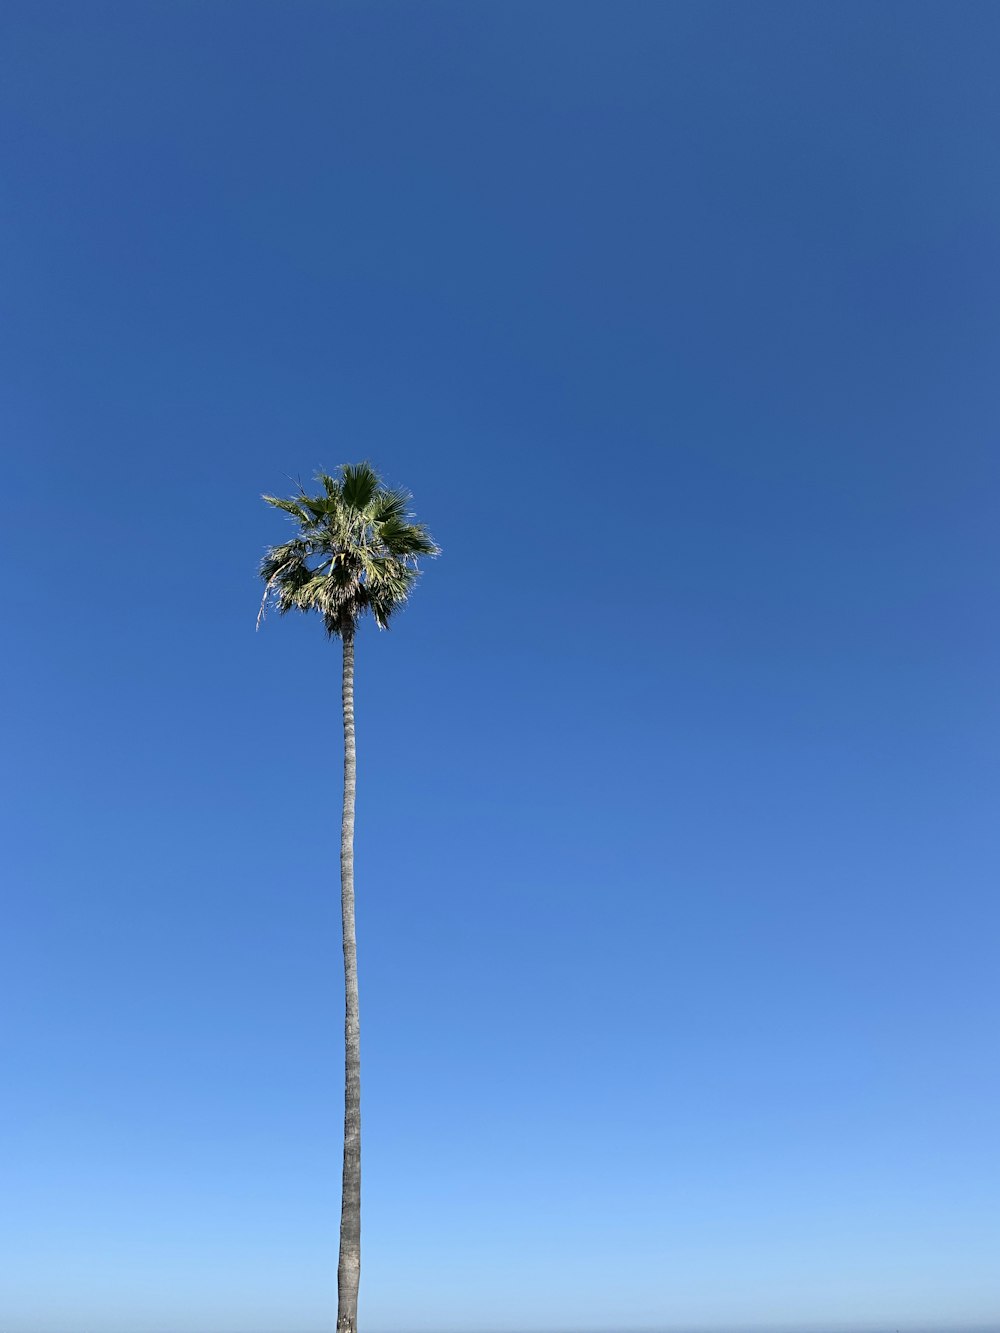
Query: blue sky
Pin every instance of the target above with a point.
(677, 848)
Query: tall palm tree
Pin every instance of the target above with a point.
(355, 551)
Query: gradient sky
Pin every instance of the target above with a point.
(677, 844)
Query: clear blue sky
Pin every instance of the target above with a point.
(677, 850)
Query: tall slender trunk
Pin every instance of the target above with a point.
(349, 1266)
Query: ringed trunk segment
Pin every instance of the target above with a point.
(349, 1265)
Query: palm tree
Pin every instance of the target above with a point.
(355, 552)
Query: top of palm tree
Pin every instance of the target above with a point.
(355, 551)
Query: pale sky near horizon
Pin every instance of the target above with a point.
(677, 847)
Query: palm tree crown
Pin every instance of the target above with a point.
(355, 551)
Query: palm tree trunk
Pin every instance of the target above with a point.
(349, 1267)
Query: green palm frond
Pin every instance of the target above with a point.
(289, 506)
(406, 539)
(359, 485)
(355, 551)
(388, 505)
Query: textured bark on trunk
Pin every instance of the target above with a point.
(349, 1266)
